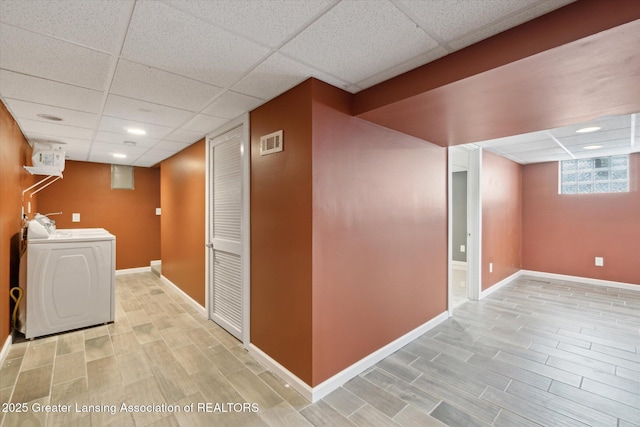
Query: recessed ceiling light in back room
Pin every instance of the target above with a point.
(588, 129)
(119, 156)
(591, 147)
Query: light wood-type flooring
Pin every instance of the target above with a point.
(535, 352)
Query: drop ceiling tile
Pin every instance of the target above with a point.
(120, 138)
(165, 38)
(145, 112)
(108, 158)
(396, 70)
(52, 59)
(358, 39)
(205, 124)
(185, 136)
(95, 24)
(114, 124)
(30, 110)
(596, 137)
(506, 22)
(170, 146)
(160, 87)
(34, 89)
(266, 21)
(152, 158)
(524, 147)
(448, 19)
(277, 75)
(53, 130)
(232, 104)
(102, 152)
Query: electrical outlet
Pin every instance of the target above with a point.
(158, 211)
(75, 217)
(462, 248)
(599, 261)
(490, 267)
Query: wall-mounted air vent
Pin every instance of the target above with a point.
(271, 143)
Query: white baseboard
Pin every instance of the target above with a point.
(156, 262)
(133, 270)
(289, 377)
(321, 390)
(598, 282)
(459, 265)
(187, 297)
(5, 349)
(500, 284)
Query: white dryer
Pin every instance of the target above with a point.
(70, 281)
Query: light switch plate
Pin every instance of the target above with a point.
(599, 261)
(158, 211)
(75, 217)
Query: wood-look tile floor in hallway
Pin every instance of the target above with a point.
(536, 352)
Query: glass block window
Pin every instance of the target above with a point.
(596, 175)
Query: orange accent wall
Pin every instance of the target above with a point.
(182, 183)
(14, 153)
(348, 233)
(379, 234)
(128, 214)
(281, 214)
(564, 233)
(501, 218)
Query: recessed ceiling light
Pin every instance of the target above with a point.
(136, 131)
(119, 156)
(588, 129)
(49, 117)
(592, 147)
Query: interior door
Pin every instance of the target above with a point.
(225, 232)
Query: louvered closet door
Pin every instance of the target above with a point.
(226, 232)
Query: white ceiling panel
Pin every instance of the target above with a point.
(152, 158)
(232, 104)
(347, 40)
(534, 10)
(204, 124)
(553, 144)
(149, 84)
(265, 21)
(117, 125)
(52, 59)
(31, 111)
(170, 146)
(33, 89)
(184, 136)
(165, 38)
(120, 138)
(94, 24)
(450, 19)
(54, 130)
(278, 74)
(398, 69)
(145, 112)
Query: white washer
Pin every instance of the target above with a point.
(70, 281)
